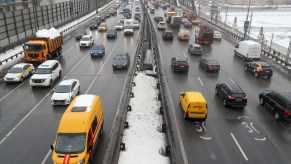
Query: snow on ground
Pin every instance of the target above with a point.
(142, 139)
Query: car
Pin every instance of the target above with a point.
(217, 35)
(103, 17)
(163, 6)
(120, 11)
(136, 24)
(188, 25)
(119, 26)
(19, 72)
(158, 18)
(122, 20)
(179, 64)
(209, 64)
(137, 9)
(121, 60)
(137, 16)
(46, 73)
(93, 25)
(231, 94)
(106, 14)
(152, 10)
(184, 34)
(259, 69)
(102, 27)
(112, 11)
(86, 41)
(278, 102)
(184, 20)
(111, 34)
(97, 19)
(80, 34)
(65, 91)
(161, 25)
(194, 49)
(167, 35)
(98, 50)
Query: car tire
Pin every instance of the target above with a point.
(245, 68)
(216, 91)
(277, 115)
(78, 89)
(256, 74)
(262, 102)
(60, 74)
(51, 83)
(185, 115)
(21, 79)
(224, 102)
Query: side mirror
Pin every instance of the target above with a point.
(52, 147)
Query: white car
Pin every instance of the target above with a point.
(18, 72)
(119, 26)
(162, 26)
(136, 25)
(65, 91)
(86, 41)
(217, 35)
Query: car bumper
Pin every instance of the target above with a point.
(196, 52)
(265, 74)
(43, 84)
(194, 115)
(181, 69)
(8, 80)
(237, 104)
(97, 55)
(119, 66)
(60, 102)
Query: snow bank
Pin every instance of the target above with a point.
(142, 139)
(51, 33)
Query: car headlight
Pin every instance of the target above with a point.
(68, 99)
(125, 64)
(113, 64)
(17, 78)
(81, 162)
(46, 80)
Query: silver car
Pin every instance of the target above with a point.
(194, 49)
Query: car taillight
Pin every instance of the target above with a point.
(186, 65)
(245, 98)
(230, 97)
(177, 65)
(286, 112)
(209, 66)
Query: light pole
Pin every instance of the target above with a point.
(246, 24)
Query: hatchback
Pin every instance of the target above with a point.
(259, 69)
(194, 49)
(98, 50)
(209, 64)
(167, 35)
(179, 64)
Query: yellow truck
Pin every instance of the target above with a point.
(169, 16)
(45, 45)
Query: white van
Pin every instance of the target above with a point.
(248, 50)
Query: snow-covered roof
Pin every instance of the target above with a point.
(51, 33)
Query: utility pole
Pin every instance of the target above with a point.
(246, 24)
(288, 52)
(250, 25)
(225, 16)
(271, 43)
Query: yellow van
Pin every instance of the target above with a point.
(79, 130)
(194, 105)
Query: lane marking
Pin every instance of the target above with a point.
(45, 158)
(231, 80)
(200, 81)
(237, 144)
(254, 127)
(205, 138)
(262, 139)
(101, 68)
(240, 117)
(185, 55)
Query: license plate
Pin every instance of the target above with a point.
(267, 71)
(239, 99)
(118, 66)
(181, 66)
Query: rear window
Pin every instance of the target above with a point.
(238, 94)
(182, 62)
(198, 105)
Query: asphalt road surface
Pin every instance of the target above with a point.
(28, 121)
(229, 135)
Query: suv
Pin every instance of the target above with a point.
(278, 103)
(86, 41)
(231, 94)
(194, 49)
(259, 69)
(179, 64)
(46, 73)
(80, 34)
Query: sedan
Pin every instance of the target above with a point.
(98, 50)
(65, 92)
(102, 27)
(194, 49)
(93, 25)
(161, 25)
(158, 18)
(111, 34)
(121, 60)
(19, 72)
(167, 35)
(136, 24)
(179, 64)
(209, 64)
(119, 26)
(80, 34)
(217, 35)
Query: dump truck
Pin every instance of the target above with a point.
(205, 34)
(169, 16)
(46, 44)
(176, 21)
(193, 19)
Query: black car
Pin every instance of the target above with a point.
(167, 35)
(209, 64)
(80, 34)
(259, 69)
(121, 60)
(179, 64)
(106, 14)
(231, 94)
(93, 25)
(158, 18)
(103, 17)
(97, 19)
(278, 103)
(111, 34)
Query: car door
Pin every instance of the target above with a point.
(54, 70)
(269, 101)
(203, 63)
(25, 70)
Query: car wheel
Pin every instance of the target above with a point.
(246, 68)
(79, 89)
(256, 74)
(21, 79)
(277, 115)
(51, 83)
(185, 115)
(101, 130)
(60, 74)
(224, 102)
(216, 92)
(262, 101)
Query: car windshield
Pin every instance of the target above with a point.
(85, 39)
(63, 89)
(73, 143)
(43, 71)
(15, 70)
(33, 47)
(182, 62)
(97, 47)
(120, 57)
(238, 94)
(212, 61)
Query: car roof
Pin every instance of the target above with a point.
(181, 58)
(67, 82)
(168, 32)
(20, 65)
(86, 36)
(210, 59)
(262, 63)
(196, 45)
(235, 88)
(47, 64)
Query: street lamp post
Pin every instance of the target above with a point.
(246, 24)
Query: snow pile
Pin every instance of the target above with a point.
(51, 33)
(142, 139)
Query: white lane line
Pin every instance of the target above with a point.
(185, 55)
(231, 80)
(45, 158)
(12, 91)
(184, 156)
(200, 81)
(208, 55)
(101, 68)
(237, 144)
